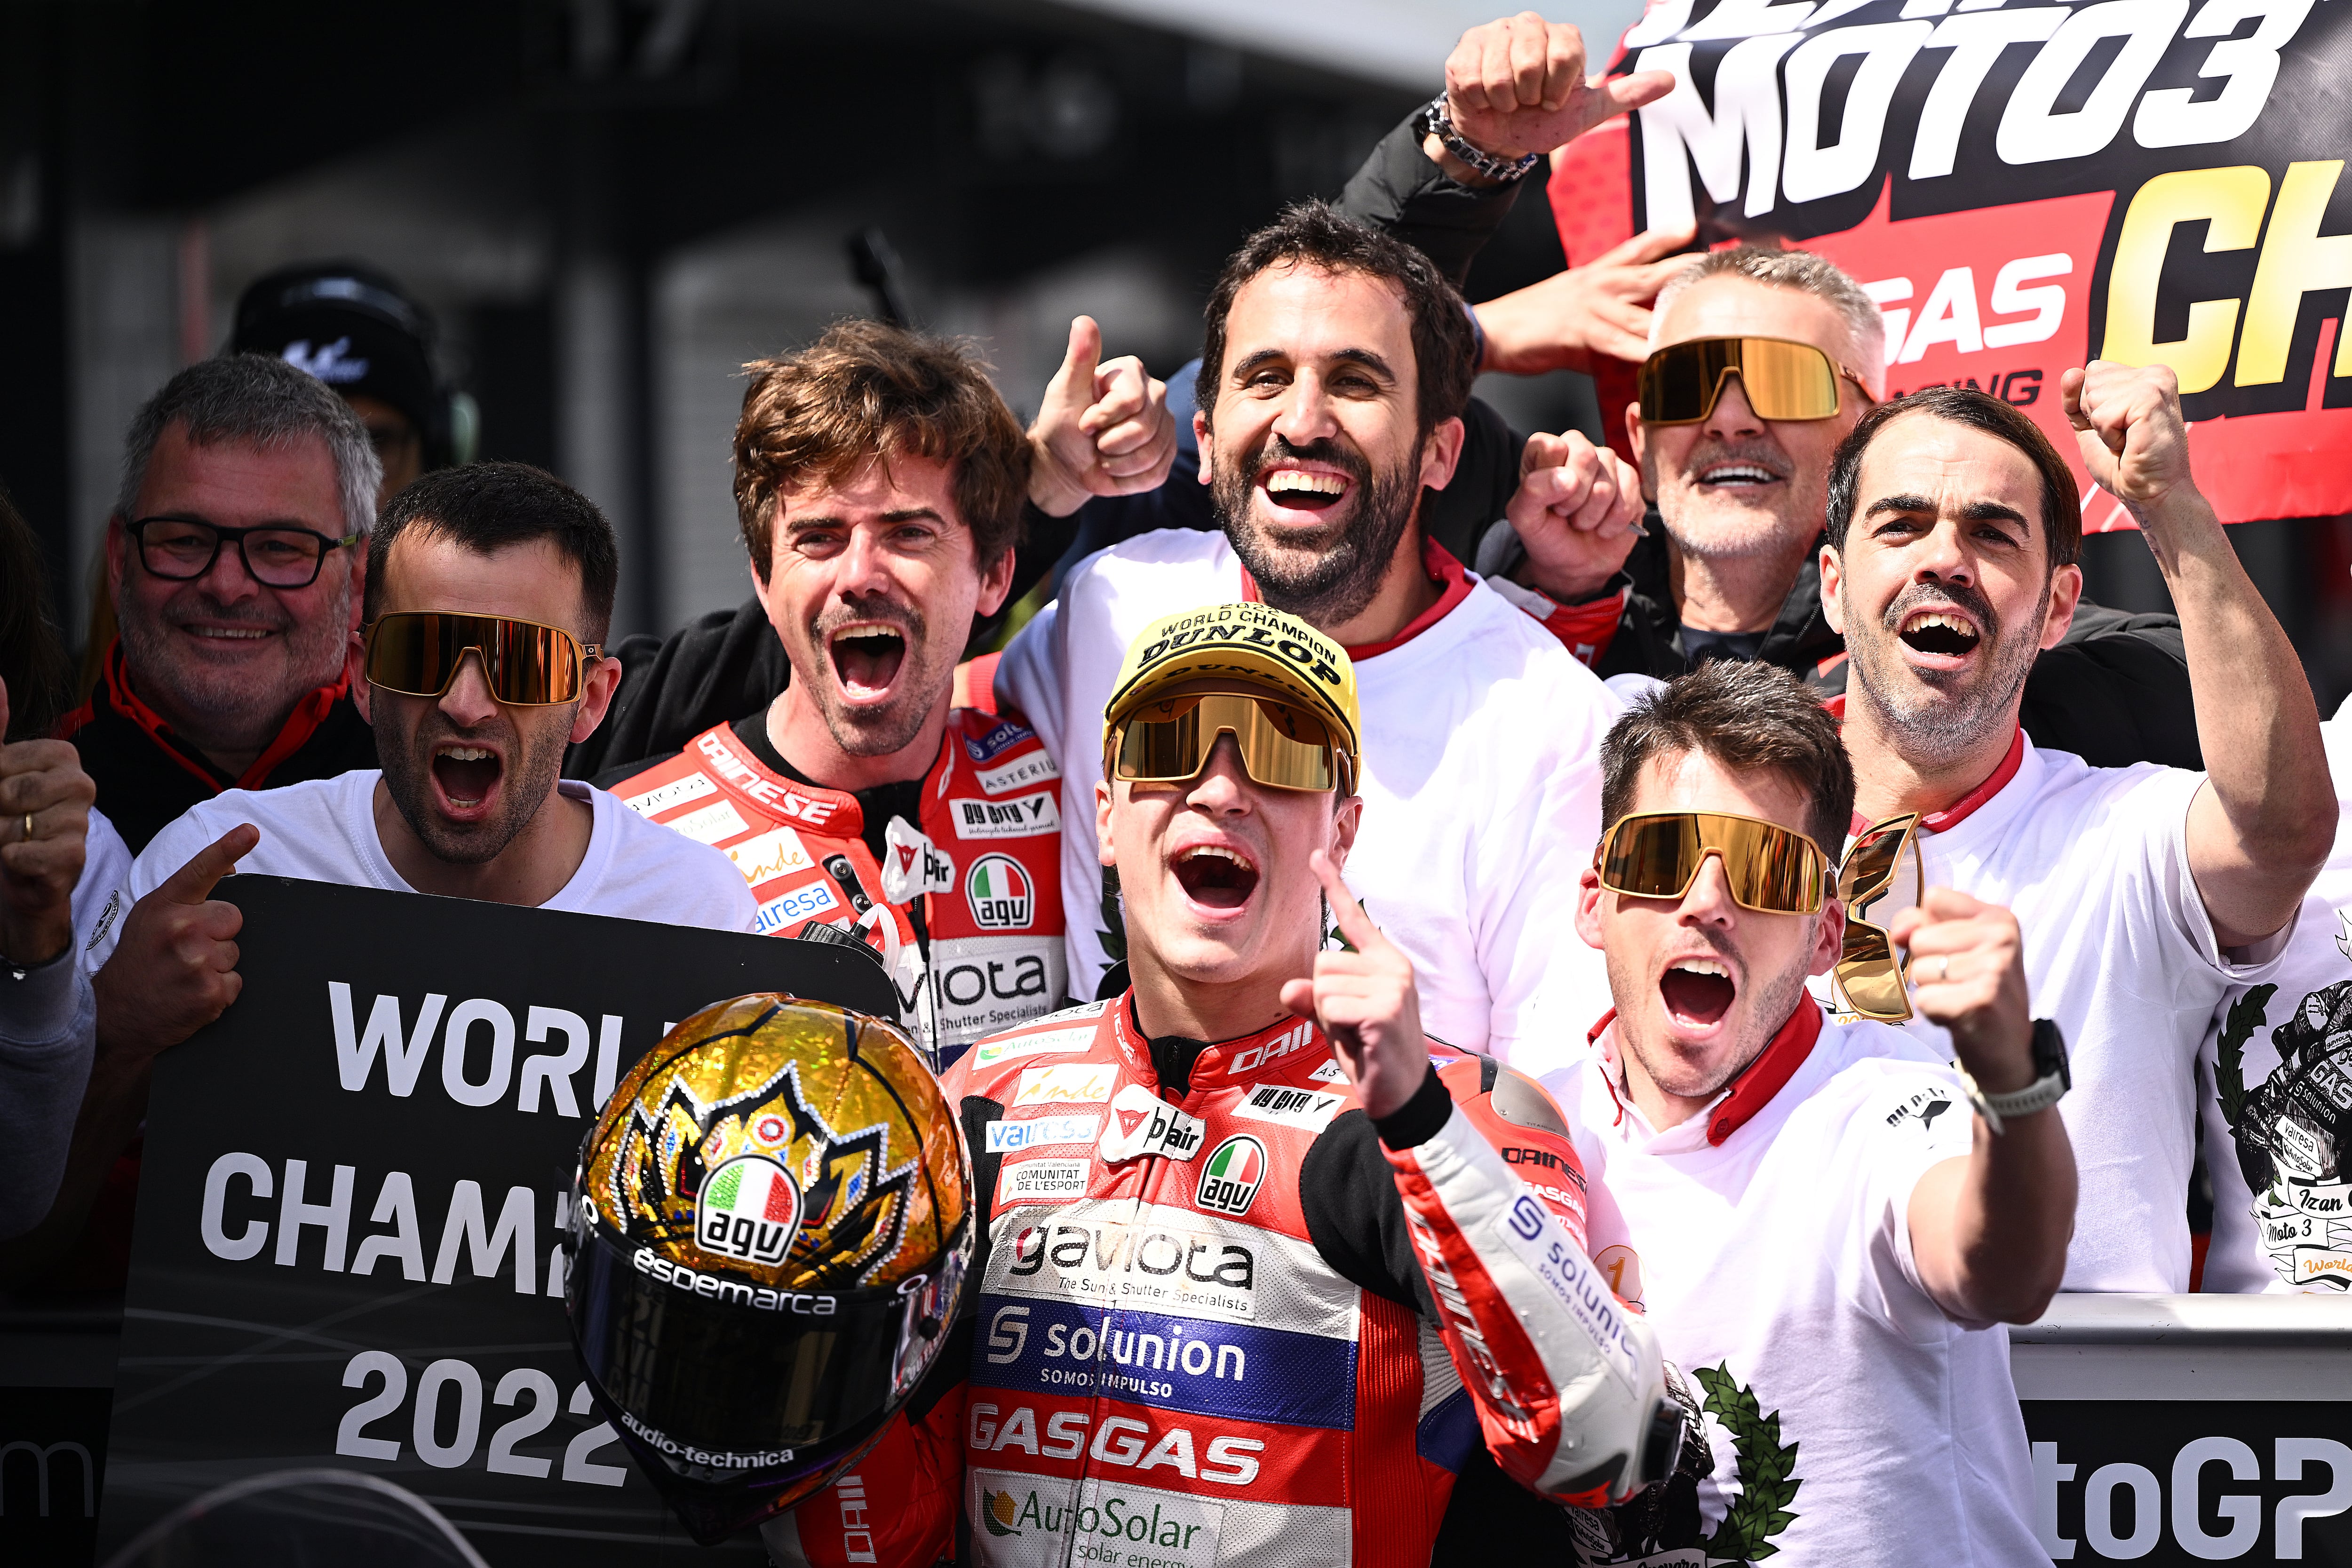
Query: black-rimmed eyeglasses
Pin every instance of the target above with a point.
(182, 549)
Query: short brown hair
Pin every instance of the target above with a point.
(2062, 508)
(1310, 234)
(1746, 717)
(867, 390)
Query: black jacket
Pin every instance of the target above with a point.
(147, 776)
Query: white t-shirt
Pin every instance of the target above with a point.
(2120, 953)
(1481, 788)
(2295, 1134)
(101, 896)
(324, 831)
(1777, 1269)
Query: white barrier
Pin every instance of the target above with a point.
(2188, 1429)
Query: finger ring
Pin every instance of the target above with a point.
(1943, 968)
(28, 828)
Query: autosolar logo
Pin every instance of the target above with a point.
(749, 1210)
(1002, 895)
(1229, 1182)
(997, 1512)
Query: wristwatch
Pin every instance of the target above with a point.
(1433, 120)
(2052, 1080)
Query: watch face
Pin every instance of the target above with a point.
(2050, 1053)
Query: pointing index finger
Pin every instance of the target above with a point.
(1345, 912)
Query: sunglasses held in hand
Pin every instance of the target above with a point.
(1869, 976)
(528, 665)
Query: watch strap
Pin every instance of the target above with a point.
(1436, 121)
(2040, 1095)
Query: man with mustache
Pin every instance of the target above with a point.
(1336, 365)
(881, 483)
(235, 557)
(2144, 893)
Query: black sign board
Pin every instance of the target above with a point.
(2171, 1483)
(353, 1188)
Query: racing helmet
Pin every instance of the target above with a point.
(769, 1233)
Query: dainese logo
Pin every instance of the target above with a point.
(749, 1209)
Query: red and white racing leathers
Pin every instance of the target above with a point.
(1247, 1325)
(982, 867)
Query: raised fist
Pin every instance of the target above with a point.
(2128, 424)
(1578, 510)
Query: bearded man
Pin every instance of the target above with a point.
(1335, 367)
(2146, 894)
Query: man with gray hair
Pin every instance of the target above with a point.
(236, 554)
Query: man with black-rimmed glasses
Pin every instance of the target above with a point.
(235, 556)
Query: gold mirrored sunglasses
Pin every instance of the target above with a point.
(1771, 870)
(1869, 975)
(1282, 746)
(1782, 380)
(528, 665)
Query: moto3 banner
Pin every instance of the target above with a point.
(353, 1190)
(2022, 187)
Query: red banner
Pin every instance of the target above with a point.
(2022, 189)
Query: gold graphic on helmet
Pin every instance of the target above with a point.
(782, 1141)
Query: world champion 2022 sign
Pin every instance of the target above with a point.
(352, 1198)
(2024, 187)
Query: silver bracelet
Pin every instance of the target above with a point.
(1436, 121)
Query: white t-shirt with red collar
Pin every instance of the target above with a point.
(2120, 953)
(1769, 1242)
(1481, 787)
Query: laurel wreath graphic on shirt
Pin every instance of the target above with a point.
(2246, 1014)
(1768, 1478)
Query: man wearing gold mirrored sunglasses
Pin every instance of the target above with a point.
(1811, 1208)
(1274, 1110)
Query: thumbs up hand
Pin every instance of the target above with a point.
(45, 800)
(175, 968)
(1103, 429)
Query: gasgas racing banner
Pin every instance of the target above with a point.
(352, 1193)
(2024, 186)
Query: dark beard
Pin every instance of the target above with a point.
(407, 765)
(1930, 732)
(1332, 588)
